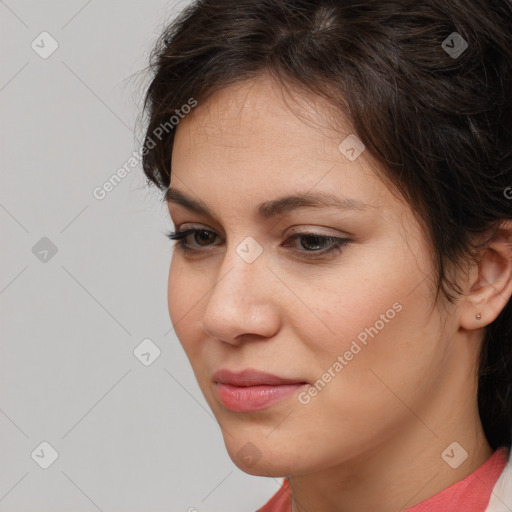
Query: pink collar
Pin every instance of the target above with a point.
(472, 494)
(487, 489)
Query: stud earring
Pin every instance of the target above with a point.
(478, 316)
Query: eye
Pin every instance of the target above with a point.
(181, 236)
(317, 243)
(313, 245)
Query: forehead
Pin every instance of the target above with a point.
(261, 111)
(251, 139)
(256, 120)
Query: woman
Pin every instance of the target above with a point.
(339, 177)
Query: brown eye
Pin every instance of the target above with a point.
(201, 237)
(204, 236)
(313, 242)
(312, 245)
(316, 245)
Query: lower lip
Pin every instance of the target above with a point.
(253, 398)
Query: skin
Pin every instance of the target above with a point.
(372, 438)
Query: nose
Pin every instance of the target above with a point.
(242, 300)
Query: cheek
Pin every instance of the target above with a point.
(379, 362)
(183, 297)
(378, 319)
(377, 384)
(174, 294)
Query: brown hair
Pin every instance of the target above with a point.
(435, 114)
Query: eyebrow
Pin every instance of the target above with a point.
(273, 207)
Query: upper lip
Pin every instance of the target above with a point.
(251, 377)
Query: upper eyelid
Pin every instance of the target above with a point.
(298, 233)
(305, 230)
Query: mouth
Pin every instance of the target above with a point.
(252, 390)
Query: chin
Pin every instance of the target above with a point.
(249, 458)
(262, 468)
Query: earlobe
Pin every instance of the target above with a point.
(490, 285)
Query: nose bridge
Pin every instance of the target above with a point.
(242, 265)
(235, 297)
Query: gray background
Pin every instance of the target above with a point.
(129, 437)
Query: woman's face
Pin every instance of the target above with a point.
(355, 326)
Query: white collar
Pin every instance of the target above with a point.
(501, 496)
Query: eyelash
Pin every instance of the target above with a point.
(338, 243)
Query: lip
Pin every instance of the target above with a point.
(251, 377)
(251, 390)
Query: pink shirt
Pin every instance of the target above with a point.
(471, 494)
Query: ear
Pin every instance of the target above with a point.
(490, 284)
